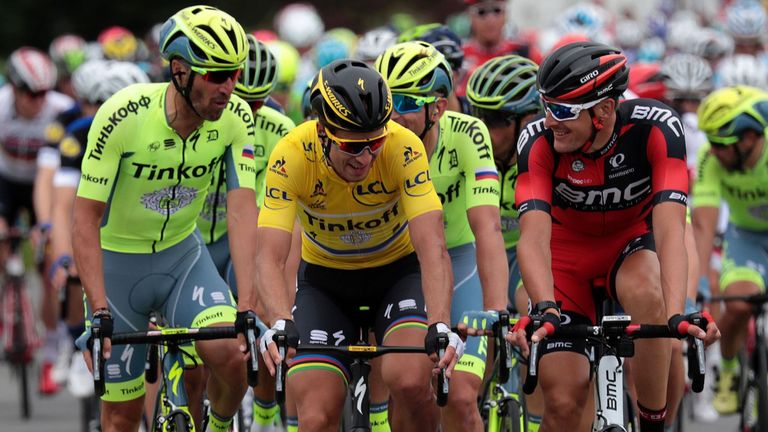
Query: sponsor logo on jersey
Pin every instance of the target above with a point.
(410, 155)
(452, 192)
(155, 172)
(662, 115)
(746, 193)
(169, 200)
(616, 160)
(319, 191)
(318, 205)
(153, 146)
(474, 128)
(367, 194)
(54, 132)
(213, 135)
(278, 194)
(577, 165)
(348, 225)
(169, 144)
(98, 180)
(485, 190)
(244, 112)
(131, 107)
(356, 237)
(605, 198)
(419, 179)
(279, 167)
(486, 174)
(530, 130)
(70, 147)
(214, 206)
(266, 125)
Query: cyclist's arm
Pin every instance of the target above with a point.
(428, 239)
(534, 255)
(42, 193)
(241, 224)
(61, 218)
(86, 243)
(273, 247)
(668, 232)
(704, 228)
(492, 266)
(706, 206)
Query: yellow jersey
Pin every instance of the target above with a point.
(348, 225)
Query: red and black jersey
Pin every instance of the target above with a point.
(611, 190)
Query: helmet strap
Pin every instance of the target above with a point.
(428, 123)
(597, 126)
(185, 91)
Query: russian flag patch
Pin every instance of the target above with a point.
(248, 151)
(486, 174)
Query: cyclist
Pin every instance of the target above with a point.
(462, 168)
(27, 105)
(360, 186)
(152, 150)
(488, 18)
(94, 82)
(746, 22)
(502, 92)
(257, 80)
(732, 169)
(605, 202)
(67, 53)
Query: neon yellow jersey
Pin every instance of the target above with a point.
(153, 181)
(463, 172)
(269, 126)
(746, 192)
(348, 225)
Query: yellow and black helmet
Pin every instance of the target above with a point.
(204, 37)
(349, 95)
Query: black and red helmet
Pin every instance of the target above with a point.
(581, 72)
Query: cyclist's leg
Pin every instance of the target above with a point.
(744, 267)
(318, 383)
(461, 413)
(635, 280)
(201, 298)
(401, 320)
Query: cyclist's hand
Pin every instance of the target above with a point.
(241, 328)
(102, 319)
(477, 323)
(538, 326)
(268, 347)
(452, 353)
(683, 326)
(62, 267)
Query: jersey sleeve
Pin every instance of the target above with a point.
(416, 188)
(103, 152)
(535, 165)
(669, 171)
(281, 192)
(482, 178)
(706, 187)
(239, 157)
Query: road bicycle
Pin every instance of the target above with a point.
(612, 341)
(172, 411)
(18, 321)
(753, 383)
(356, 416)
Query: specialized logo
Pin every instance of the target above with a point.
(169, 200)
(610, 198)
(279, 167)
(197, 295)
(338, 107)
(577, 165)
(356, 237)
(361, 84)
(339, 337)
(360, 389)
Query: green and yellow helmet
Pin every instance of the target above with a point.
(260, 73)
(727, 113)
(415, 68)
(506, 84)
(204, 37)
(349, 95)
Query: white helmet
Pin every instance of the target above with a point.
(374, 42)
(742, 69)
(687, 76)
(97, 80)
(745, 20)
(299, 24)
(32, 69)
(629, 33)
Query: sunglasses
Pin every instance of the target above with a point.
(492, 10)
(33, 94)
(719, 142)
(405, 104)
(565, 112)
(355, 147)
(217, 76)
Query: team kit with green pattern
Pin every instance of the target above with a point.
(154, 184)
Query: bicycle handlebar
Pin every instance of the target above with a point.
(175, 336)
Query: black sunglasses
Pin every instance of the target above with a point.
(494, 10)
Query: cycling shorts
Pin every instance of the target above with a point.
(745, 257)
(181, 283)
(15, 196)
(579, 260)
(468, 296)
(329, 301)
(219, 251)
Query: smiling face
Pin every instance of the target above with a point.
(571, 135)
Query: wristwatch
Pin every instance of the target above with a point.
(546, 304)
